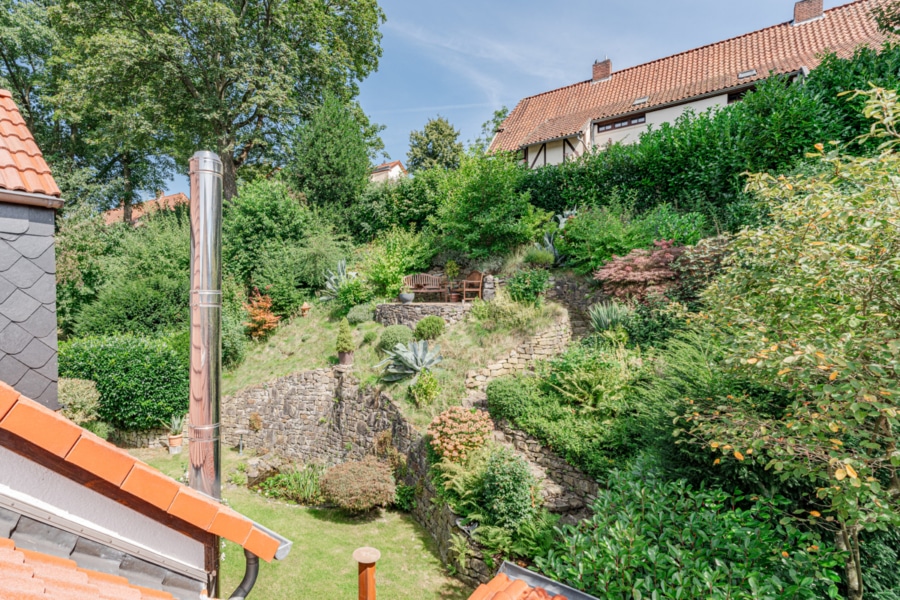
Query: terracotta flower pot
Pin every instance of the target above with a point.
(345, 358)
(175, 442)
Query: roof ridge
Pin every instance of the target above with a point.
(695, 49)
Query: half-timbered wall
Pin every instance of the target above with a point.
(553, 153)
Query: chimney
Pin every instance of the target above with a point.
(807, 10)
(603, 69)
(206, 320)
(366, 557)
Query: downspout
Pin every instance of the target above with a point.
(206, 319)
(251, 571)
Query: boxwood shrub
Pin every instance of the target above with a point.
(430, 328)
(141, 381)
(393, 335)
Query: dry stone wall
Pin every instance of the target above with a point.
(544, 345)
(410, 314)
(577, 295)
(154, 438)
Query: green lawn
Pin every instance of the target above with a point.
(320, 564)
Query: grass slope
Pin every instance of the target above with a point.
(320, 564)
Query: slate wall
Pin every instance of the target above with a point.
(28, 349)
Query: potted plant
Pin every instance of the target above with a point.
(176, 429)
(345, 346)
(451, 271)
(406, 295)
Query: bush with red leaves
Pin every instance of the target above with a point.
(641, 273)
(359, 486)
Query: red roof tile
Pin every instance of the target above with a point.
(388, 166)
(117, 215)
(56, 434)
(502, 587)
(779, 49)
(22, 166)
(26, 575)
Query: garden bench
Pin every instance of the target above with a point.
(423, 283)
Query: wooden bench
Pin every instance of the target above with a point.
(423, 283)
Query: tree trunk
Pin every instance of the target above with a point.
(128, 195)
(847, 540)
(229, 173)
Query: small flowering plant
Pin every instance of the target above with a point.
(458, 431)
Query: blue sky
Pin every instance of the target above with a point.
(467, 58)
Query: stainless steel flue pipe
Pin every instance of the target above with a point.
(206, 322)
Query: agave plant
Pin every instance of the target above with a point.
(563, 217)
(609, 315)
(549, 244)
(336, 280)
(409, 360)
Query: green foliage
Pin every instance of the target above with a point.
(394, 254)
(510, 397)
(345, 337)
(539, 257)
(79, 400)
(370, 337)
(405, 203)
(405, 498)
(609, 315)
(300, 485)
(504, 314)
(403, 362)
(359, 486)
(141, 381)
(393, 335)
(352, 292)
(654, 321)
(880, 554)
(437, 146)
(291, 272)
(425, 390)
(528, 286)
(593, 379)
(361, 313)
(509, 492)
(430, 328)
(482, 212)
(330, 158)
(717, 545)
(99, 428)
(809, 303)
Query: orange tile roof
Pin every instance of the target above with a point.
(502, 587)
(388, 166)
(169, 202)
(779, 49)
(54, 433)
(22, 166)
(26, 575)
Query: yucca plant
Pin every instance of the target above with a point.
(409, 360)
(336, 280)
(609, 315)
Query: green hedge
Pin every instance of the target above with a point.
(141, 381)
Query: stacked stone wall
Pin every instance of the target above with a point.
(410, 314)
(577, 295)
(154, 438)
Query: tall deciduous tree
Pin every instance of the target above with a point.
(437, 145)
(330, 161)
(233, 75)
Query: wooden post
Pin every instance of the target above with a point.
(366, 557)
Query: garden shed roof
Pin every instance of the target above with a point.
(109, 470)
(22, 166)
(711, 69)
(27, 575)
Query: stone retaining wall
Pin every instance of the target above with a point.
(153, 438)
(544, 345)
(410, 314)
(577, 295)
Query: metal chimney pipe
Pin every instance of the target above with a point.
(206, 322)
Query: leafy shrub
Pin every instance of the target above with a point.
(654, 321)
(483, 213)
(79, 399)
(425, 390)
(641, 273)
(698, 265)
(527, 287)
(405, 498)
(99, 428)
(539, 257)
(880, 556)
(502, 313)
(344, 341)
(595, 379)
(141, 305)
(430, 328)
(352, 292)
(234, 344)
(393, 335)
(665, 223)
(458, 431)
(609, 315)
(370, 337)
(509, 493)
(141, 381)
(359, 486)
(595, 235)
(261, 321)
(394, 254)
(716, 544)
(300, 485)
(405, 203)
(510, 397)
(361, 313)
(409, 361)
